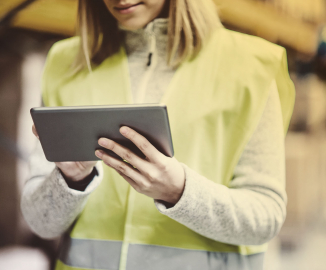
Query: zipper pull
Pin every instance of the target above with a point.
(149, 59)
(151, 48)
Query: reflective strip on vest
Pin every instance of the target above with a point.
(105, 255)
(91, 254)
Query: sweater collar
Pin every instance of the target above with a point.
(138, 41)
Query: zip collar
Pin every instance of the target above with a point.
(153, 37)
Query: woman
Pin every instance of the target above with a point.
(229, 96)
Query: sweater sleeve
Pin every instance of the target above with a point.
(48, 205)
(252, 209)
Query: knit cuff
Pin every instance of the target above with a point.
(187, 198)
(65, 186)
(82, 184)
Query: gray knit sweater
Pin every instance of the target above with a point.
(250, 211)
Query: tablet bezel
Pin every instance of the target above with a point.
(150, 120)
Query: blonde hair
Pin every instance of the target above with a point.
(190, 22)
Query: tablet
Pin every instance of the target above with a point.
(72, 133)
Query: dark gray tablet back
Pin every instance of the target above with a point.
(72, 133)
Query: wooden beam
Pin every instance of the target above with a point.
(263, 19)
(7, 5)
(55, 16)
(313, 11)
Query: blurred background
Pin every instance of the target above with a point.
(29, 28)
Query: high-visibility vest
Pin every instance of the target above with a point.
(214, 102)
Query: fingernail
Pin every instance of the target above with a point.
(124, 130)
(103, 142)
(99, 153)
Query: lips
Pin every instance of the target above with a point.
(127, 6)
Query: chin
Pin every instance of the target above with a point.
(134, 25)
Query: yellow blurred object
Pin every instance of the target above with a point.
(313, 11)
(291, 23)
(265, 20)
(54, 16)
(6, 6)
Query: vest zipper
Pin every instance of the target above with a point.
(152, 48)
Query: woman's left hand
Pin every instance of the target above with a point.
(158, 176)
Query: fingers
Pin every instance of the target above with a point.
(88, 164)
(129, 180)
(35, 132)
(76, 166)
(142, 143)
(124, 153)
(122, 168)
(76, 171)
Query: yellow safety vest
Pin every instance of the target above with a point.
(214, 101)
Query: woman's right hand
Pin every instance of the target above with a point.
(74, 171)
